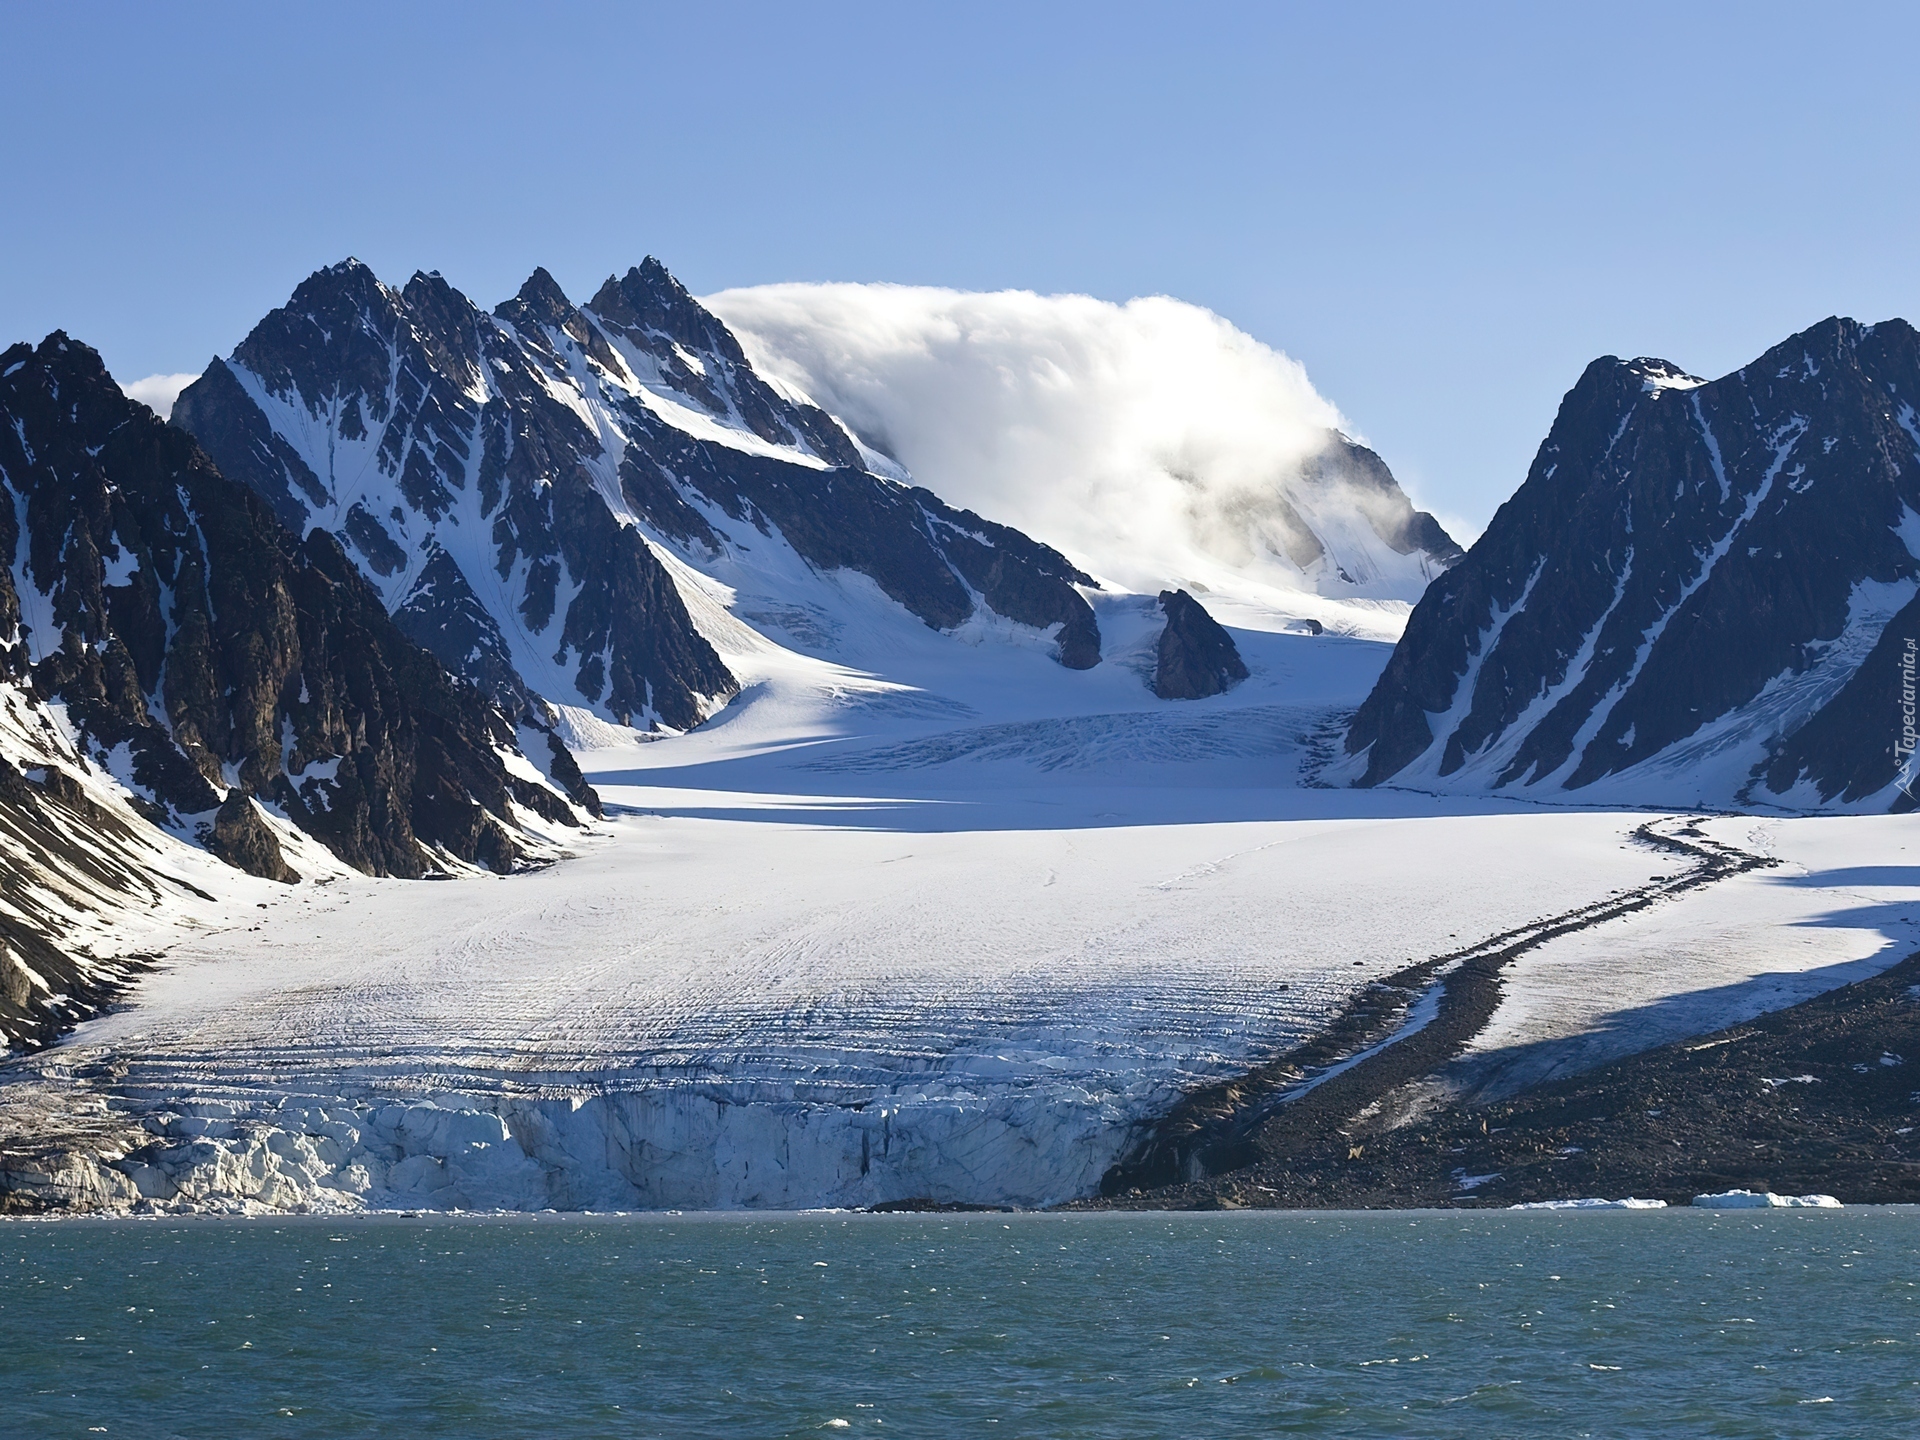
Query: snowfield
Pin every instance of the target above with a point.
(950, 934)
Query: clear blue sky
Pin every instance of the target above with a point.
(1444, 210)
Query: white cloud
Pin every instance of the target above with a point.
(158, 391)
(1152, 442)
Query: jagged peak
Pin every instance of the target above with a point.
(649, 298)
(350, 279)
(541, 284)
(62, 356)
(1838, 337)
(540, 299)
(443, 309)
(655, 276)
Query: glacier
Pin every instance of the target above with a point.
(949, 936)
(919, 916)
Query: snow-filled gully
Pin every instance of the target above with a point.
(1390, 1035)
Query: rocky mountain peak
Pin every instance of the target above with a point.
(542, 306)
(648, 299)
(540, 300)
(1681, 590)
(506, 484)
(1656, 374)
(202, 650)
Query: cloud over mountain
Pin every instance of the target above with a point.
(1152, 441)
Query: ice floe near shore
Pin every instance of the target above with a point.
(1764, 1200)
(1630, 1203)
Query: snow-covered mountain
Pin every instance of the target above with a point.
(1153, 442)
(922, 915)
(177, 668)
(1704, 593)
(573, 506)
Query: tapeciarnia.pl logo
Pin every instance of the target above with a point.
(1903, 745)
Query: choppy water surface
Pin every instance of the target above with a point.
(1665, 1323)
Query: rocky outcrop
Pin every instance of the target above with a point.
(241, 838)
(1672, 607)
(517, 486)
(1196, 657)
(204, 654)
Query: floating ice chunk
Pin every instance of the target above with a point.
(1764, 1199)
(1630, 1203)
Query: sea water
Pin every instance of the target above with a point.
(1224, 1324)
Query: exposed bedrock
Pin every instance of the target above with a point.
(504, 480)
(200, 649)
(242, 839)
(1196, 657)
(1674, 605)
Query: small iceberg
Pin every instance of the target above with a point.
(1763, 1200)
(1630, 1203)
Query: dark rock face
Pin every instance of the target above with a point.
(241, 838)
(413, 427)
(492, 476)
(206, 654)
(1683, 589)
(653, 312)
(1196, 656)
(1842, 752)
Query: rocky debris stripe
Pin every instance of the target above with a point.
(1689, 577)
(1398, 1029)
(1815, 1099)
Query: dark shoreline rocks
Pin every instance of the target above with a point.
(1317, 1090)
(1822, 1097)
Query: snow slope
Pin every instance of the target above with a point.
(92, 888)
